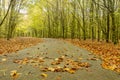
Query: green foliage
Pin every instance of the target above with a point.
(83, 19)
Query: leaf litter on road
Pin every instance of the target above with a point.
(107, 52)
(60, 64)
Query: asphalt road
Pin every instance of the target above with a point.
(49, 50)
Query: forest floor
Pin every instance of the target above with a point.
(16, 44)
(51, 59)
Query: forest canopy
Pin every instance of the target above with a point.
(81, 19)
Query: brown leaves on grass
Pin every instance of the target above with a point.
(16, 44)
(109, 53)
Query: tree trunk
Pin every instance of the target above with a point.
(114, 30)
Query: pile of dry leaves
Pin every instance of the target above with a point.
(108, 52)
(16, 44)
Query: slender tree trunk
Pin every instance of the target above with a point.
(108, 28)
(6, 13)
(114, 30)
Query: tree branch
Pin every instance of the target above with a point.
(6, 13)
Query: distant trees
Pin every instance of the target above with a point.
(10, 11)
(82, 19)
(110, 7)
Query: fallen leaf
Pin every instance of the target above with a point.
(80, 58)
(66, 69)
(44, 75)
(14, 74)
(4, 59)
(51, 69)
(71, 71)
